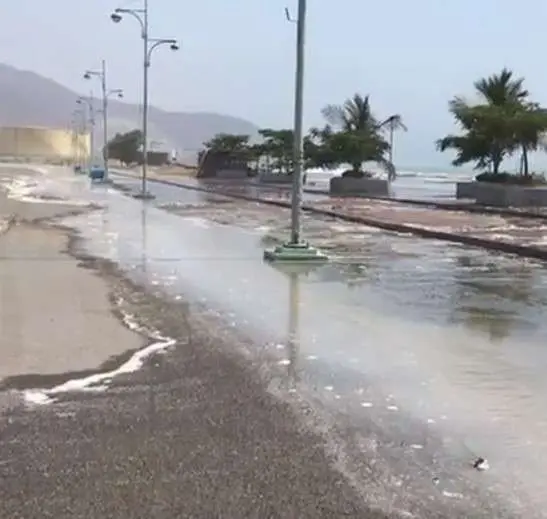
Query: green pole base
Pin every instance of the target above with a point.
(295, 253)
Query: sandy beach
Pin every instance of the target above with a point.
(55, 317)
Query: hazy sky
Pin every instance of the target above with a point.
(237, 56)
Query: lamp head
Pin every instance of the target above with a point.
(174, 46)
(116, 18)
(87, 75)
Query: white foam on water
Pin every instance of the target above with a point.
(28, 190)
(456, 495)
(99, 382)
(198, 222)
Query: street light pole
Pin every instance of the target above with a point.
(105, 118)
(91, 129)
(149, 44)
(298, 123)
(101, 74)
(87, 103)
(146, 66)
(295, 249)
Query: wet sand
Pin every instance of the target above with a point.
(55, 317)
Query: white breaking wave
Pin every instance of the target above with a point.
(29, 190)
(99, 382)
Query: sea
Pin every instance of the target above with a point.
(418, 184)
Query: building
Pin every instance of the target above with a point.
(34, 143)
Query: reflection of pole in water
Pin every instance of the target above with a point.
(144, 244)
(151, 373)
(293, 343)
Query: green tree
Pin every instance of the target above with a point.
(233, 145)
(502, 122)
(530, 128)
(227, 142)
(276, 149)
(392, 124)
(487, 136)
(125, 147)
(353, 135)
(354, 115)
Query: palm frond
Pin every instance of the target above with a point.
(393, 122)
(334, 115)
(389, 169)
(499, 89)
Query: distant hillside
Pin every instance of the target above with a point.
(28, 99)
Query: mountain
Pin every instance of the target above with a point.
(29, 99)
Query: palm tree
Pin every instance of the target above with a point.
(530, 127)
(354, 115)
(360, 133)
(501, 89)
(392, 123)
(490, 125)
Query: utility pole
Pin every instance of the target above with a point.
(295, 249)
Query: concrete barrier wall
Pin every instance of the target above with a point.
(274, 178)
(511, 196)
(231, 174)
(466, 189)
(502, 195)
(349, 186)
(44, 143)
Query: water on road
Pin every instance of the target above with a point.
(424, 339)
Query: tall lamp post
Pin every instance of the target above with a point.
(78, 124)
(101, 74)
(149, 45)
(87, 102)
(295, 249)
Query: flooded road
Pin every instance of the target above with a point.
(440, 347)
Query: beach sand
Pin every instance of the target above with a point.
(55, 316)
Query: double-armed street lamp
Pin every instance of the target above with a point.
(106, 94)
(149, 44)
(78, 125)
(86, 102)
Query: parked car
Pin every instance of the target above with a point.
(96, 173)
